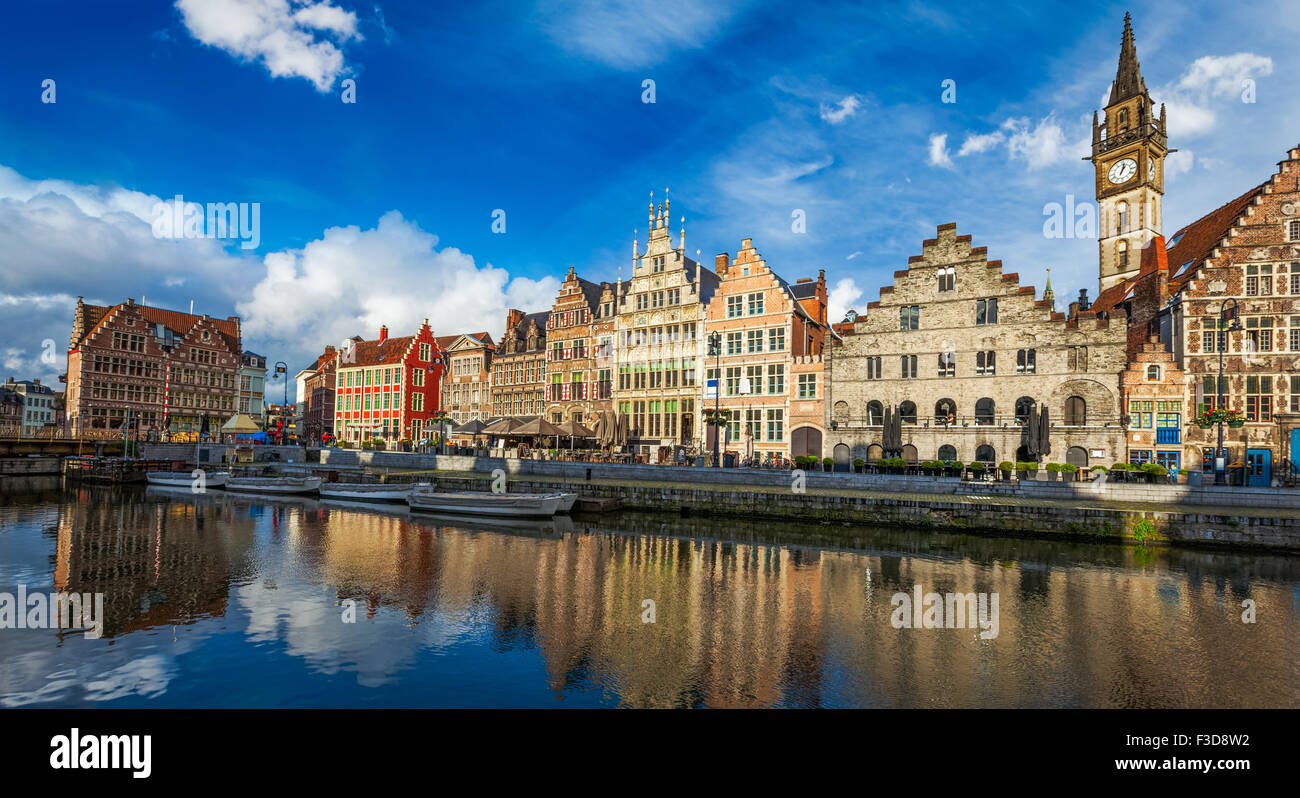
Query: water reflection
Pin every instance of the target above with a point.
(226, 600)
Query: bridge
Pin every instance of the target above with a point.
(14, 442)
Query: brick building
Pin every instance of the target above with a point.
(1241, 263)
(964, 351)
(317, 400)
(659, 342)
(387, 388)
(519, 366)
(580, 380)
(771, 337)
(172, 371)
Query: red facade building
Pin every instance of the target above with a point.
(387, 388)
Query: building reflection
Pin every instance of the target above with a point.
(742, 619)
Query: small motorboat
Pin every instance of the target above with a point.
(274, 484)
(182, 479)
(370, 491)
(523, 505)
(566, 501)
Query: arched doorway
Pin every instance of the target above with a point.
(944, 409)
(875, 414)
(909, 453)
(908, 411)
(1023, 405)
(1076, 412)
(874, 453)
(947, 452)
(806, 441)
(1077, 456)
(984, 410)
(986, 454)
(841, 457)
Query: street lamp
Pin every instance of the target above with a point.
(715, 349)
(1220, 456)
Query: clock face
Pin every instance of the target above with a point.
(1122, 171)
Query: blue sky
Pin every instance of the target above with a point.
(381, 211)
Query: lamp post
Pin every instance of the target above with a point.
(715, 349)
(1220, 456)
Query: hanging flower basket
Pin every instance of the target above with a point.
(1237, 423)
(1209, 418)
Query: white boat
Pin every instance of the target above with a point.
(566, 501)
(182, 479)
(526, 505)
(274, 484)
(369, 491)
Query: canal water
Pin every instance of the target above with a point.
(221, 600)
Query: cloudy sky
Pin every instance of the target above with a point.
(493, 145)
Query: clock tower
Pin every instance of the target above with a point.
(1128, 151)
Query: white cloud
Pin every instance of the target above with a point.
(96, 241)
(1039, 145)
(1190, 99)
(939, 150)
(844, 109)
(626, 33)
(289, 40)
(841, 298)
(980, 142)
(1177, 163)
(350, 281)
(853, 255)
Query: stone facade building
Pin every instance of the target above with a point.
(580, 379)
(766, 339)
(519, 366)
(387, 388)
(467, 389)
(252, 386)
(659, 342)
(171, 371)
(39, 407)
(963, 351)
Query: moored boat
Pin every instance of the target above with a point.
(274, 484)
(566, 501)
(183, 479)
(368, 491)
(526, 505)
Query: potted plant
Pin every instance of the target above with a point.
(828, 464)
(1006, 467)
(1053, 472)
(897, 465)
(1155, 472)
(1072, 470)
(859, 465)
(976, 470)
(1098, 469)
(931, 467)
(1119, 472)
(1030, 467)
(882, 465)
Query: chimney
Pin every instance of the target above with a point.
(383, 333)
(329, 349)
(1084, 302)
(721, 263)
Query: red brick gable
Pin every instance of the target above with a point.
(1194, 243)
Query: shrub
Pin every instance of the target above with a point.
(1069, 468)
(1119, 467)
(1006, 465)
(898, 462)
(1155, 469)
(1100, 468)
(858, 462)
(1053, 468)
(1026, 466)
(826, 461)
(882, 462)
(976, 466)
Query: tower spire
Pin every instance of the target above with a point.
(1128, 77)
(1048, 294)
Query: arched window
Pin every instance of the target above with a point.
(1121, 213)
(986, 454)
(908, 411)
(1123, 118)
(841, 412)
(1153, 373)
(984, 411)
(1122, 250)
(1076, 412)
(947, 279)
(1023, 405)
(945, 410)
(1026, 361)
(875, 414)
(947, 453)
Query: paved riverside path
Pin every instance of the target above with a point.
(972, 498)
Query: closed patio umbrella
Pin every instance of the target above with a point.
(1044, 433)
(1029, 433)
